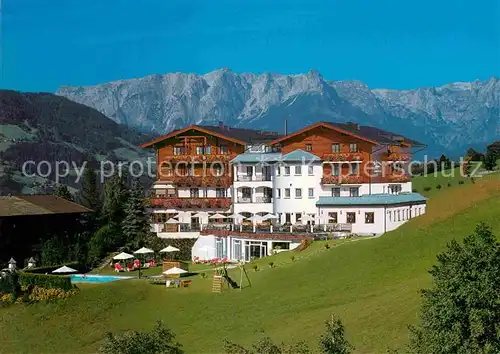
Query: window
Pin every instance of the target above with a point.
(278, 193)
(395, 188)
(205, 192)
(223, 149)
(249, 171)
(298, 193)
(309, 147)
(199, 150)
(310, 170)
(221, 192)
(369, 218)
(390, 215)
(178, 150)
(298, 170)
(336, 147)
(311, 192)
(354, 168)
(353, 147)
(166, 170)
(287, 192)
(351, 218)
(277, 170)
(207, 150)
(194, 192)
(399, 215)
(287, 170)
(336, 169)
(218, 171)
(354, 192)
(332, 218)
(298, 217)
(336, 192)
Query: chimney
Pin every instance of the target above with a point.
(221, 124)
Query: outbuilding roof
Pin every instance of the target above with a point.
(38, 205)
(373, 199)
(300, 155)
(257, 157)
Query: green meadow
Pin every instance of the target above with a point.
(372, 284)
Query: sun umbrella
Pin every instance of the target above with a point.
(65, 269)
(236, 216)
(256, 218)
(144, 250)
(174, 271)
(123, 256)
(217, 216)
(269, 217)
(200, 214)
(170, 249)
(307, 218)
(172, 221)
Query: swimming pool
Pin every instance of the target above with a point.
(93, 278)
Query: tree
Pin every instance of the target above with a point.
(99, 243)
(466, 166)
(115, 198)
(490, 161)
(89, 195)
(63, 192)
(494, 149)
(460, 313)
(474, 155)
(54, 251)
(135, 225)
(160, 341)
(444, 163)
(333, 341)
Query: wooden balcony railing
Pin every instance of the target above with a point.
(343, 156)
(225, 158)
(202, 181)
(191, 203)
(398, 178)
(350, 179)
(396, 156)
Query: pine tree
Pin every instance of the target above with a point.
(333, 340)
(135, 226)
(461, 311)
(115, 198)
(89, 195)
(62, 191)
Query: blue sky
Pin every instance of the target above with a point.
(390, 44)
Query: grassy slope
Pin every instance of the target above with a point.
(373, 285)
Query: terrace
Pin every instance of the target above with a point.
(190, 203)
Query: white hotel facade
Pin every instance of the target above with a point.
(327, 180)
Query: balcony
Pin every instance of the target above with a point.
(350, 179)
(246, 178)
(396, 156)
(258, 200)
(398, 178)
(202, 181)
(343, 156)
(191, 203)
(193, 158)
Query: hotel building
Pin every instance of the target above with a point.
(243, 193)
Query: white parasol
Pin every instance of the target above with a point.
(170, 249)
(122, 256)
(65, 269)
(174, 271)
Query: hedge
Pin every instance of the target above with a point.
(45, 281)
(49, 269)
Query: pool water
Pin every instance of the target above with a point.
(88, 278)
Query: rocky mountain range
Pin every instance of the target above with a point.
(448, 119)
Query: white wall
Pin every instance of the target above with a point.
(304, 181)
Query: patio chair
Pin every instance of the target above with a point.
(146, 265)
(130, 267)
(118, 268)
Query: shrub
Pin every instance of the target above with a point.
(327, 246)
(427, 189)
(292, 258)
(37, 293)
(203, 275)
(438, 186)
(160, 341)
(6, 299)
(271, 264)
(460, 182)
(449, 184)
(414, 190)
(45, 281)
(49, 269)
(255, 267)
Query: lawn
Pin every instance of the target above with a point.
(372, 284)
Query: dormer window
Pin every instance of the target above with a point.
(223, 149)
(309, 147)
(336, 147)
(353, 147)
